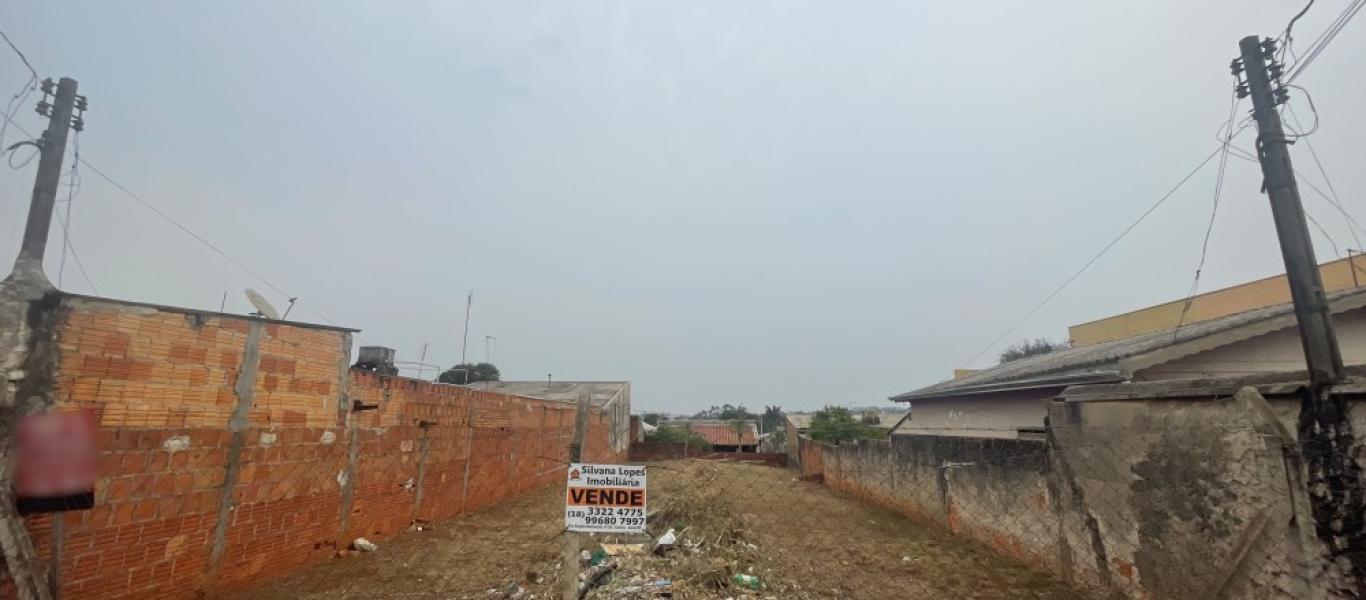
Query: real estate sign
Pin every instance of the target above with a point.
(605, 498)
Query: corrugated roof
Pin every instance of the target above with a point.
(1100, 362)
(601, 392)
(724, 434)
(885, 419)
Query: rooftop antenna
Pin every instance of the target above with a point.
(289, 308)
(469, 301)
(263, 307)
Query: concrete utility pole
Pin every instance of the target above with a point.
(1321, 351)
(1326, 440)
(52, 148)
(26, 346)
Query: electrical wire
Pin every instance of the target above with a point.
(1301, 179)
(1286, 38)
(1337, 251)
(183, 228)
(1214, 212)
(1324, 39)
(1299, 128)
(19, 99)
(206, 243)
(73, 188)
(1160, 201)
(1336, 200)
(20, 53)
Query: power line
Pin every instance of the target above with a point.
(1325, 38)
(1214, 211)
(20, 53)
(1337, 200)
(72, 188)
(178, 225)
(1300, 178)
(1122, 233)
(210, 245)
(16, 101)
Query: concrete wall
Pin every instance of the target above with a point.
(990, 415)
(230, 455)
(1148, 497)
(1270, 353)
(1337, 275)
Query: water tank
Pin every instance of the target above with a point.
(378, 359)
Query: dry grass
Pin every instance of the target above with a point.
(801, 539)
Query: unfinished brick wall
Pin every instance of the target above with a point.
(230, 454)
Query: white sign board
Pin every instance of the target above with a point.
(605, 498)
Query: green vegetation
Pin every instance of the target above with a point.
(1030, 348)
(836, 424)
(678, 435)
(773, 419)
(470, 373)
(725, 412)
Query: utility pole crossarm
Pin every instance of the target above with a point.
(1321, 353)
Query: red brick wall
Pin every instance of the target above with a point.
(161, 381)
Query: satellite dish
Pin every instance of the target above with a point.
(263, 307)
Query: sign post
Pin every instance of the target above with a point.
(569, 569)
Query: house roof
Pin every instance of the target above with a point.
(723, 434)
(885, 419)
(1114, 361)
(601, 393)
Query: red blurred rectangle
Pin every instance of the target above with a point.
(56, 461)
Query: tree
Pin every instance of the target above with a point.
(725, 412)
(679, 435)
(470, 373)
(836, 424)
(1032, 347)
(773, 418)
(651, 418)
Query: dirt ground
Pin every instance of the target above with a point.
(800, 539)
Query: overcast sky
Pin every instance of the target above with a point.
(789, 202)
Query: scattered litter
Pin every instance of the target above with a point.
(364, 545)
(590, 578)
(665, 542)
(746, 581)
(597, 557)
(514, 592)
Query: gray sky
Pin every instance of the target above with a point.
(792, 203)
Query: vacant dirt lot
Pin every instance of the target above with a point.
(800, 539)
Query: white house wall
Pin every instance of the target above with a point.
(995, 415)
(1278, 351)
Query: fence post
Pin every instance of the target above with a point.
(569, 571)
